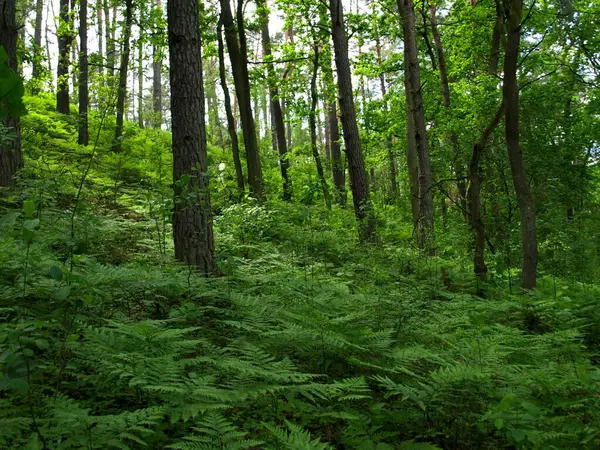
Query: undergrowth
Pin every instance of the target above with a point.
(308, 340)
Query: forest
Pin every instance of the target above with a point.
(299, 224)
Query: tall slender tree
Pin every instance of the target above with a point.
(65, 36)
(510, 90)
(121, 95)
(99, 23)
(192, 222)
(83, 134)
(37, 46)
(414, 101)
(237, 47)
(239, 175)
(11, 157)
(275, 102)
(157, 70)
(312, 118)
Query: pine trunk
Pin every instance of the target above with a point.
(235, 150)
(358, 179)
(62, 72)
(11, 157)
(513, 10)
(83, 135)
(192, 221)
(37, 46)
(123, 75)
(425, 235)
(275, 105)
(157, 82)
(236, 45)
(313, 128)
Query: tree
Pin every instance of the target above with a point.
(239, 175)
(358, 178)
(275, 104)
(65, 36)
(11, 157)
(312, 117)
(333, 130)
(510, 90)
(37, 46)
(123, 75)
(192, 220)
(157, 70)
(83, 135)
(237, 47)
(414, 99)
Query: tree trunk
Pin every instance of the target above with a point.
(513, 10)
(275, 105)
(497, 38)
(474, 197)
(157, 81)
(101, 59)
(140, 75)
(337, 164)
(239, 175)
(64, 45)
(110, 44)
(440, 56)
(37, 46)
(83, 135)
(358, 179)
(48, 53)
(11, 157)
(412, 164)
(192, 221)
(123, 75)
(425, 235)
(312, 118)
(239, 64)
(390, 147)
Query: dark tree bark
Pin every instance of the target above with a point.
(100, 37)
(37, 45)
(110, 43)
(337, 164)
(474, 191)
(284, 163)
(441, 59)
(192, 221)
(64, 45)
(157, 82)
(312, 118)
(11, 157)
(510, 90)
(412, 164)
(425, 235)
(474, 197)
(390, 147)
(358, 179)
(236, 45)
(123, 75)
(496, 38)
(239, 175)
(83, 135)
(140, 74)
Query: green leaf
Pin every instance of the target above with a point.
(517, 434)
(31, 224)
(56, 273)
(499, 423)
(63, 293)
(28, 208)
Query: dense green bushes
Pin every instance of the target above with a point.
(308, 340)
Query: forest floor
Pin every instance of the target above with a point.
(308, 340)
